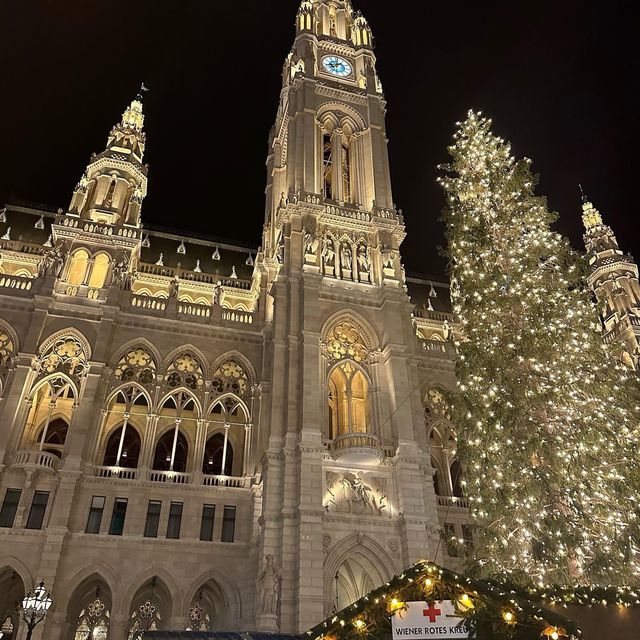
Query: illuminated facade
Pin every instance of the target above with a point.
(198, 434)
(613, 278)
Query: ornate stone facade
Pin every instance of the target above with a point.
(196, 434)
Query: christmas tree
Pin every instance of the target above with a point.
(547, 420)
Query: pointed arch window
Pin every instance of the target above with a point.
(348, 385)
(327, 165)
(93, 622)
(123, 448)
(53, 436)
(50, 415)
(171, 452)
(456, 479)
(218, 461)
(78, 267)
(99, 271)
(348, 401)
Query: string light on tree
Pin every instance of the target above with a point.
(547, 420)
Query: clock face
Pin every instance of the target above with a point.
(336, 66)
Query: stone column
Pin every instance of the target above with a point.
(83, 421)
(14, 409)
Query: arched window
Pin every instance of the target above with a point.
(327, 165)
(348, 401)
(78, 267)
(43, 431)
(53, 435)
(99, 271)
(7, 349)
(456, 479)
(7, 628)
(149, 608)
(93, 621)
(214, 454)
(171, 452)
(206, 608)
(347, 385)
(123, 448)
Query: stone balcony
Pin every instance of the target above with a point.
(35, 460)
(170, 477)
(452, 502)
(358, 448)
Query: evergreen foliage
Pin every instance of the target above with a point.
(547, 419)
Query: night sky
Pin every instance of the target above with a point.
(555, 76)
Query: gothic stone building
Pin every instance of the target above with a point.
(202, 435)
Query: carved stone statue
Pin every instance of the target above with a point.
(120, 276)
(446, 330)
(217, 293)
(328, 252)
(268, 584)
(52, 262)
(310, 243)
(364, 263)
(346, 257)
(173, 287)
(388, 257)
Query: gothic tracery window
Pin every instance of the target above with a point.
(348, 401)
(184, 371)
(348, 386)
(136, 365)
(345, 340)
(145, 618)
(66, 355)
(230, 377)
(93, 622)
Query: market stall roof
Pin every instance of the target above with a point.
(493, 610)
(216, 635)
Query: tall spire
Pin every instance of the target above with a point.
(590, 215)
(115, 182)
(127, 135)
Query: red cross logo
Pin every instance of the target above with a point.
(432, 613)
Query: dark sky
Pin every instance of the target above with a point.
(556, 76)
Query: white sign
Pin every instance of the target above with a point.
(429, 620)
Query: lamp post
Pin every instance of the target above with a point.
(35, 606)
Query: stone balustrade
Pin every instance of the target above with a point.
(357, 448)
(36, 459)
(453, 501)
(21, 283)
(170, 477)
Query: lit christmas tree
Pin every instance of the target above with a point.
(547, 420)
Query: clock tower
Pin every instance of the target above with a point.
(348, 497)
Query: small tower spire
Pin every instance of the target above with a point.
(115, 182)
(590, 215)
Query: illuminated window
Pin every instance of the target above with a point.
(348, 401)
(327, 163)
(99, 271)
(78, 267)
